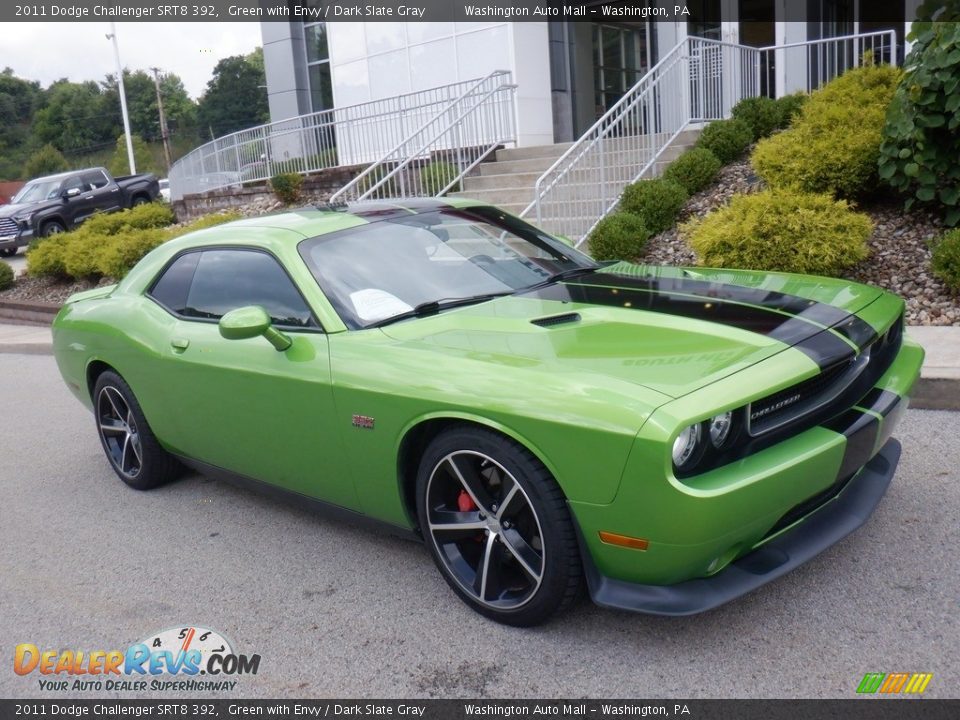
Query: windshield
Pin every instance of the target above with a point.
(389, 267)
(37, 191)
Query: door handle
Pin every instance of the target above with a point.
(179, 344)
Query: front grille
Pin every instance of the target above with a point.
(7, 227)
(834, 389)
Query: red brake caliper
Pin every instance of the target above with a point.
(465, 503)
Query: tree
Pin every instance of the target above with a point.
(78, 117)
(120, 163)
(142, 102)
(235, 97)
(45, 161)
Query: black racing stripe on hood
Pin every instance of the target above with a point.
(849, 326)
(822, 346)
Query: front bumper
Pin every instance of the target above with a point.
(22, 238)
(776, 557)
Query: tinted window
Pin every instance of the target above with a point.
(72, 183)
(95, 179)
(172, 288)
(225, 280)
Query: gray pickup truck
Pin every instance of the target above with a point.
(58, 203)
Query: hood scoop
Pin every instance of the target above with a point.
(552, 320)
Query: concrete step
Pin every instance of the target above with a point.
(534, 165)
(534, 151)
(508, 180)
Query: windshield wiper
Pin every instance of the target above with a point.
(432, 307)
(563, 275)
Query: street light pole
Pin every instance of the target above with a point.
(164, 133)
(123, 98)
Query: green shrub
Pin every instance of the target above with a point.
(693, 170)
(148, 215)
(789, 107)
(620, 236)
(119, 163)
(655, 202)
(116, 257)
(45, 258)
(6, 276)
(782, 230)
(762, 114)
(920, 153)
(946, 260)
(436, 176)
(834, 144)
(287, 186)
(80, 249)
(727, 139)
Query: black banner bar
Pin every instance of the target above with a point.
(405, 11)
(873, 708)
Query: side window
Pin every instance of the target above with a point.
(225, 280)
(95, 179)
(72, 183)
(172, 288)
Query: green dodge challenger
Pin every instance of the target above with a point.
(673, 437)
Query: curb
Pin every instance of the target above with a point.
(28, 313)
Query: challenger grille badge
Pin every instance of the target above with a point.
(363, 421)
(774, 407)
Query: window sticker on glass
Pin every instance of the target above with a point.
(372, 304)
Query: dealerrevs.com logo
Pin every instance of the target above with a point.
(169, 660)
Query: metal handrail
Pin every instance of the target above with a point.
(443, 140)
(351, 135)
(707, 77)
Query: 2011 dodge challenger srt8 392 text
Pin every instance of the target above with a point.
(673, 437)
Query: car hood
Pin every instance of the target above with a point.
(672, 330)
(11, 210)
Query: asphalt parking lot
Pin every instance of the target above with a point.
(338, 611)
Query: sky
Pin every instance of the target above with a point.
(80, 51)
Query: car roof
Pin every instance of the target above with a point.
(322, 219)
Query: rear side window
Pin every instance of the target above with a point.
(206, 285)
(95, 179)
(172, 288)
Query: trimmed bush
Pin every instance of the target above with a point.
(148, 215)
(762, 114)
(693, 170)
(115, 258)
(782, 230)
(655, 202)
(789, 107)
(834, 144)
(105, 246)
(920, 153)
(620, 236)
(287, 186)
(946, 260)
(727, 139)
(6, 276)
(45, 258)
(436, 176)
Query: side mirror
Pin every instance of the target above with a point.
(71, 192)
(250, 322)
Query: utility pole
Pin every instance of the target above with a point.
(123, 98)
(164, 134)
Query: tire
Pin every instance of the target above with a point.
(140, 200)
(52, 227)
(123, 431)
(497, 526)
(9, 252)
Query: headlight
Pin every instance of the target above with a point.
(686, 447)
(720, 428)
